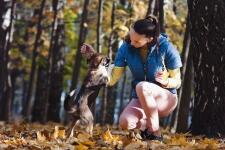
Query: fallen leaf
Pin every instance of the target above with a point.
(59, 133)
(81, 147)
(111, 139)
(135, 145)
(84, 139)
(40, 137)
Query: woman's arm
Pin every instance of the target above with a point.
(174, 79)
(169, 79)
(115, 75)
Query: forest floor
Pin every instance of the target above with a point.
(52, 136)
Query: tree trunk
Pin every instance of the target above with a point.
(185, 98)
(14, 75)
(184, 101)
(208, 39)
(187, 84)
(110, 55)
(156, 8)
(82, 36)
(56, 76)
(39, 109)
(3, 47)
(52, 105)
(123, 2)
(99, 25)
(111, 92)
(111, 103)
(149, 11)
(6, 32)
(174, 7)
(104, 106)
(99, 41)
(27, 109)
(161, 16)
(24, 49)
(110, 51)
(25, 86)
(159, 13)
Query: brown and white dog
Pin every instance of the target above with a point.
(78, 103)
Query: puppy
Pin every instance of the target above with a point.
(78, 103)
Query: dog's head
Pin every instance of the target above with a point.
(98, 64)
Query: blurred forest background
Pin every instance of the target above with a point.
(40, 59)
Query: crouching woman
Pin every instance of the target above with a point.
(155, 66)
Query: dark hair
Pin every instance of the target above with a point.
(148, 26)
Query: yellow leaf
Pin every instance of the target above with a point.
(89, 143)
(121, 12)
(49, 14)
(83, 137)
(209, 143)
(135, 145)
(122, 31)
(44, 52)
(60, 14)
(179, 140)
(46, 43)
(40, 137)
(59, 132)
(62, 133)
(81, 147)
(97, 131)
(32, 30)
(108, 137)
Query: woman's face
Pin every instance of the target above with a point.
(138, 40)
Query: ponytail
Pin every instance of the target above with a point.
(154, 21)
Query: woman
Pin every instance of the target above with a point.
(155, 66)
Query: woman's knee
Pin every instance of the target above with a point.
(144, 88)
(127, 123)
(172, 103)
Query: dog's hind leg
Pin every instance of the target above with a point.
(70, 130)
(89, 128)
(87, 119)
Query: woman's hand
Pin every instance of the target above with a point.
(162, 78)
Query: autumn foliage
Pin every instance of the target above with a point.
(52, 136)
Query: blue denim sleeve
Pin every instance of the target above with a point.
(172, 57)
(120, 60)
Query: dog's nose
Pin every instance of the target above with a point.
(105, 79)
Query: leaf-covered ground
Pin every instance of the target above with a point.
(52, 136)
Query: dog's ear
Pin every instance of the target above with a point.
(87, 51)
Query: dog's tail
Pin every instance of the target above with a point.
(69, 105)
